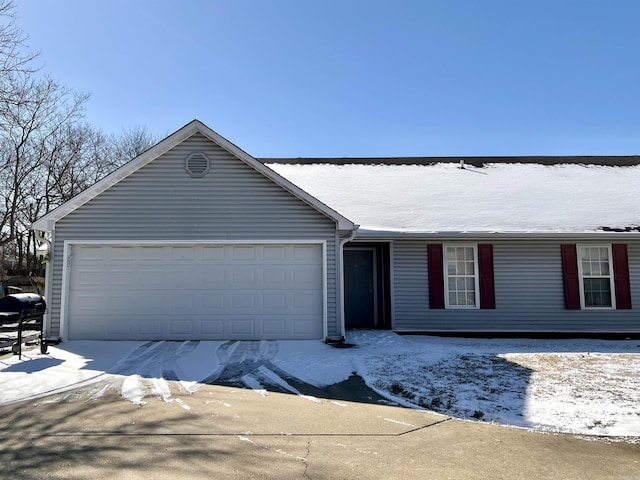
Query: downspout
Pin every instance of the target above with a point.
(350, 236)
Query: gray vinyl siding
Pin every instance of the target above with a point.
(529, 292)
(161, 201)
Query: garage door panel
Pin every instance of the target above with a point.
(119, 327)
(275, 326)
(304, 326)
(181, 328)
(195, 292)
(150, 327)
(275, 276)
(273, 301)
(306, 253)
(122, 278)
(212, 328)
(151, 278)
(123, 303)
(307, 302)
(243, 253)
(244, 277)
(184, 302)
(274, 253)
(121, 254)
(213, 278)
(181, 254)
(306, 276)
(186, 279)
(244, 327)
(210, 301)
(89, 254)
(86, 279)
(151, 254)
(216, 253)
(243, 301)
(90, 304)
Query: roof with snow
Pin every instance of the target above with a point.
(529, 194)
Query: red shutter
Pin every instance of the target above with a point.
(621, 276)
(570, 274)
(485, 267)
(436, 275)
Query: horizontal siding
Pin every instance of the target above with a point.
(528, 287)
(161, 201)
(410, 285)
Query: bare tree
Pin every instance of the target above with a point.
(130, 143)
(48, 154)
(13, 56)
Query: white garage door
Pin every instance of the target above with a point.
(180, 292)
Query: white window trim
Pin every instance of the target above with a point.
(612, 282)
(446, 276)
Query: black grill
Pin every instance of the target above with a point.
(22, 312)
(30, 305)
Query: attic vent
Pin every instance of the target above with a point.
(197, 164)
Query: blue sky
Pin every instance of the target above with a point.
(335, 78)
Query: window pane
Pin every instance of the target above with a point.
(468, 254)
(470, 284)
(452, 298)
(584, 254)
(471, 298)
(468, 268)
(451, 268)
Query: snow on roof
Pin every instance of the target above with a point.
(500, 197)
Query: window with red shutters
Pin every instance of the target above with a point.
(596, 276)
(461, 276)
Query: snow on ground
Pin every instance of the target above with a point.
(573, 386)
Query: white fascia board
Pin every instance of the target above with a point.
(48, 221)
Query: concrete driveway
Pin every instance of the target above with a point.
(230, 432)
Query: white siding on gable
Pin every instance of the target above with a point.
(162, 201)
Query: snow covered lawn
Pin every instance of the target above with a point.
(571, 386)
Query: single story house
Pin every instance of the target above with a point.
(197, 239)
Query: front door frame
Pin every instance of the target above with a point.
(374, 289)
(382, 308)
